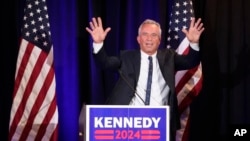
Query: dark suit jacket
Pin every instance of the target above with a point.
(128, 65)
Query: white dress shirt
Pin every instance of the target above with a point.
(159, 88)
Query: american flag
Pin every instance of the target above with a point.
(34, 113)
(188, 82)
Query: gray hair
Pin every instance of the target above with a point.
(149, 21)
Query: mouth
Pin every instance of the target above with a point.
(149, 44)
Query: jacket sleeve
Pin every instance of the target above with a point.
(187, 61)
(107, 62)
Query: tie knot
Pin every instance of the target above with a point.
(150, 58)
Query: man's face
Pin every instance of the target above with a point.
(149, 38)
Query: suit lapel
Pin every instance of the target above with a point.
(164, 67)
(137, 64)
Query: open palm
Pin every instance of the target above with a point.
(96, 30)
(194, 31)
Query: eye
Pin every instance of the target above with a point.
(154, 35)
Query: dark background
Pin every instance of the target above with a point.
(223, 101)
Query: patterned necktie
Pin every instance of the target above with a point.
(148, 90)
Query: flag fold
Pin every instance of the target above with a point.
(34, 113)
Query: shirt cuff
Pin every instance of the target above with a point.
(195, 46)
(97, 47)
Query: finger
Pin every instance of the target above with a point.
(202, 30)
(107, 30)
(197, 23)
(99, 21)
(89, 30)
(200, 26)
(192, 22)
(91, 25)
(184, 31)
(94, 22)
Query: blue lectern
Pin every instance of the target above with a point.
(125, 123)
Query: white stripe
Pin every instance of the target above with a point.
(45, 105)
(189, 85)
(34, 93)
(23, 82)
(21, 52)
(49, 130)
(40, 117)
(33, 96)
(183, 46)
(18, 97)
(180, 50)
(50, 57)
(51, 127)
(179, 75)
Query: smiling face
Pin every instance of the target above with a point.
(149, 37)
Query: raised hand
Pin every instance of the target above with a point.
(194, 31)
(96, 30)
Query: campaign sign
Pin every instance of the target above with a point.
(126, 123)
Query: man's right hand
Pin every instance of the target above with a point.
(96, 30)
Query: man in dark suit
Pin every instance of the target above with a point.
(132, 65)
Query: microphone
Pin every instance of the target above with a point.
(135, 92)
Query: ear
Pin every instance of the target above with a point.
(138, 39)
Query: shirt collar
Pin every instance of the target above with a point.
(144, 55)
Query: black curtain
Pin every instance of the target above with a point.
(9, 50)
(224, 101)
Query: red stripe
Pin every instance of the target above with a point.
(46, 121)
(150, 137)
(104, 131)
(185, 135)
(20, 73)
(190, 96)
(187, 76)
(150, 131)
(54, 136)
(104, 137)
(186, 50)
(27, 92)
(22, 67)
(37, 105)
